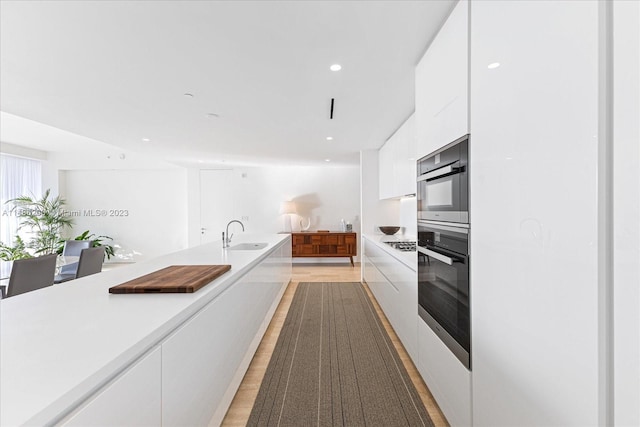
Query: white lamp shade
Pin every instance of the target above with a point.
(287, 207)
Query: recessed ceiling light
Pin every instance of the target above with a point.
(213, 115)
(336, 67)
(329, 138)
(146, 139)
(327, 160)
(493, 65)
(188, 95)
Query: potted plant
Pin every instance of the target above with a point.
(45, 218)
(109, 250)
(17, 251)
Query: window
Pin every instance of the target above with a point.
(18, 177)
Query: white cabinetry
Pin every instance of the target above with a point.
(132, 399)
(395, 287)
(448, 380)
(534, 195)
(204, 361)
(405, 159)
(397, 163)
(191, 377)
(626, 208)
(385, 170)
(442, 85)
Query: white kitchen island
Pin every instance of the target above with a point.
(73, 354)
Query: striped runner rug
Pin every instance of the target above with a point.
(335, 365)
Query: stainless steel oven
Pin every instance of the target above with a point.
(442, 189)
(443, 285)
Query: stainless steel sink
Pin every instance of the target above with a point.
(248, 246)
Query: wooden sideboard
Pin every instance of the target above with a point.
(324, 244)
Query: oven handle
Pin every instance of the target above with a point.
(438, 172)
(435, 255)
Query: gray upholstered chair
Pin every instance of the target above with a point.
(30, 274)
(90, 261)
(73, 248)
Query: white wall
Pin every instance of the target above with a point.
(104, 157)
(375, 212)
(325, 194)
(154, 205)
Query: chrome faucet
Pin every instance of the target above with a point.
(227, 240)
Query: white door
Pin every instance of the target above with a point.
(216, 203)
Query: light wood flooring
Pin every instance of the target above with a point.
(240, 408)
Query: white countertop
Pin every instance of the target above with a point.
(60, 343)
(410, 259)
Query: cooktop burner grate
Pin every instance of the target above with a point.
(403, 246)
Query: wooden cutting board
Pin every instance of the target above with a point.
(172, 279)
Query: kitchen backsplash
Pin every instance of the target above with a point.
(408, 216)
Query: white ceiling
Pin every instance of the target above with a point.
(117, 71)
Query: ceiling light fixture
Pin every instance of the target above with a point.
(327, 160)
(336, 67)
(146, 139)
(329, 138)
(493, 65)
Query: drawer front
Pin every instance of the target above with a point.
(344, 250)
(299, 239)
(327, 249)
(330, 239)
(303, 250)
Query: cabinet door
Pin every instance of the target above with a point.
(385, 170)
(367, 270)
(395, 287)
(201, 360)
(535, 295)
(405, 160)
(133, 399)
(385, 292)
(448, 380)
(397, 162)
(442, 88)
(405, 320)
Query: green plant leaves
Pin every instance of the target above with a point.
(46, 219)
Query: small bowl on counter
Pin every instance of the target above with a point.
(389, 230)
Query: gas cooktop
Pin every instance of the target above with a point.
(403, 246)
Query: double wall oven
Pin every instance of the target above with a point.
(443, 246)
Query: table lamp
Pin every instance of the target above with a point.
(287, 208)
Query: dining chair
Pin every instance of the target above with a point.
(90, 261)
(73, 248)
(30, 274)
